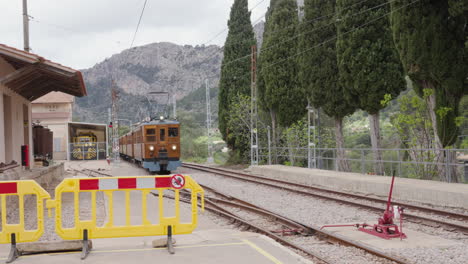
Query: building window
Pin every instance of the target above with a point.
(52, 108)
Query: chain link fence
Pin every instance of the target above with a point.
(428, 164)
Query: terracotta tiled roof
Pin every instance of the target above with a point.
(35, 76)
(55, 97)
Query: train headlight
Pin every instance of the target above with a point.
(174, 147)
(151, 148)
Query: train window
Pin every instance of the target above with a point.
(151, 135)
(173, 132)
(162, 134)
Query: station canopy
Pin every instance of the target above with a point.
(35, 76)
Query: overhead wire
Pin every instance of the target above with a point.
(226, 28)
(138, 25)
(326, 41)
(310, 31)
(304, 22)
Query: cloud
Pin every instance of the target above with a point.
(82, 33)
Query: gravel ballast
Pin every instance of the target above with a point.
(319, 212)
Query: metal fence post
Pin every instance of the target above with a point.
(269, 145)
(363, 169)
(447, 166)
(399, 163)
(334, 159)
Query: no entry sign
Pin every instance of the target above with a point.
(178, 181)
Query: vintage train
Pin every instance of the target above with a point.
(155, 145)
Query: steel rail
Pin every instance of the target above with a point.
(210, 205)
(313, 230)
(261, 180)
(463, 217)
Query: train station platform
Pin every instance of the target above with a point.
(207, 246)
(412, 190)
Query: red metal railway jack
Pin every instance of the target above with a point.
(385, 228)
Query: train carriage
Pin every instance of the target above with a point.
(154, 144)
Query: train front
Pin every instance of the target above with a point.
(162, 146)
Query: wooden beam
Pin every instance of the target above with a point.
(56, 71)
(18, 74)
(37, 89)
(24, 81)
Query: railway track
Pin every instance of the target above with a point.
(369, 203)
(284, 228)
(89, 172)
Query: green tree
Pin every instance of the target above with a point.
(368, 61)
(235, 78)
(431, 43)
(319, 71)
(430, 36)
(278, 87)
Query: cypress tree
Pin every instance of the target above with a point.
(368, 61)
(278, 87)
(430, 36)
(319, 70)
(235, 78)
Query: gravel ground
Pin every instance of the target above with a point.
(49, 223)
(318, 212)
(68, 212)
(312, 243)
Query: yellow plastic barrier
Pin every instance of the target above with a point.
(85, 229)
(13, 233)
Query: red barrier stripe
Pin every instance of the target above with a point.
(129, 183)
(8, 187)
(89, 184)
(163, 182)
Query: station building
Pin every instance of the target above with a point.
(24, 78)
(54, 111)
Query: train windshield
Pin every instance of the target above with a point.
(173, 132)
(162, 134)
(151, 135)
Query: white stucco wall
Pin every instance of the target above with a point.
(17, 126)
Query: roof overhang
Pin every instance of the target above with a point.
(35, 76)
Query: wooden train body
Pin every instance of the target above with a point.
(154, 144)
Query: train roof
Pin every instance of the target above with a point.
(154, 122)
(161, 122)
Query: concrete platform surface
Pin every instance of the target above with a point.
(414, 239)
(413, 190)
(207, 247)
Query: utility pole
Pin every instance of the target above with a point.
(208, 123)
(109, 131)
(26, 26)
(115, 127)
(253, 109)
(311, 134)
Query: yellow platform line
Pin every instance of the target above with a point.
(261, 251)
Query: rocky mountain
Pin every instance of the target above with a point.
(136, 72)
(179, 70)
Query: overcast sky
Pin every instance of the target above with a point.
(81, 33)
